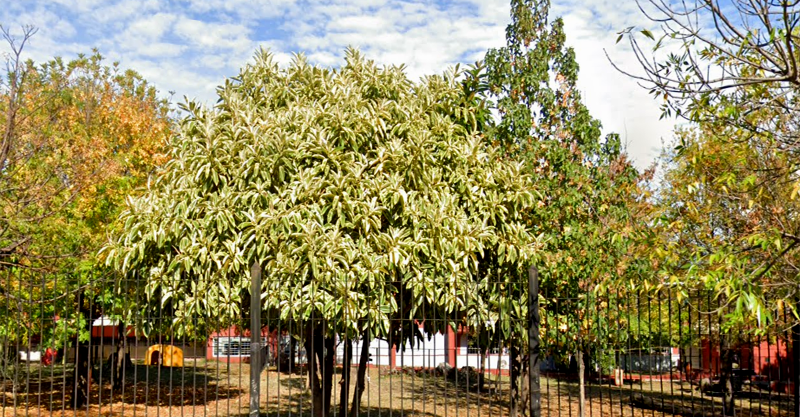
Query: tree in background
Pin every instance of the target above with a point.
(727, 203)
(366, 198)
(78, 137)
(730, 185)
(591, 209)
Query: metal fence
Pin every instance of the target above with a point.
(65, 351)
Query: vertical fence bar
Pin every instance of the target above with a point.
(796, 364)
(534, 320)
(255, 338)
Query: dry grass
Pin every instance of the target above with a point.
(215, 389)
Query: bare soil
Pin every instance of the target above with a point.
(210, 388)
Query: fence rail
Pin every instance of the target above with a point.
(66, 351)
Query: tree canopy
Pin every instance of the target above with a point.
(78, 137)
(363, 195)
(728, 200)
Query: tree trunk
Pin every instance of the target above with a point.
(581, 384)
(344, 393)
(355, 409)
(515, 366)
(524, 390)
(313, 377)
(293, 354)
(725, 381)
(497, 378)
(482, 377)
(9, 366)
(327, 375)
(121, 360)
(83, 358)
(80, 388)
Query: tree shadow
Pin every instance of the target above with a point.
(293, 383)
(673, 397)
(141, 385)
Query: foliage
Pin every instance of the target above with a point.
(364, 196)
(729, 190)
(592, 194)
(82, 137)
(78, 137)
(727, 216)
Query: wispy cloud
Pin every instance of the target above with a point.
(190, 46)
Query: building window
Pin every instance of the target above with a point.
(233, 346)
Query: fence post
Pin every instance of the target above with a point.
(534, 403)
(255, 339)
(796, 365)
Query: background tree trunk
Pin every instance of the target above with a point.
(581, 384)
(344, 394)
(83, 357)
(293, 354)
(327, 375)
(361, 376)
(515, 368)
(725, 381)
(80, 388)
(313, 378)
(121, 360)
(482, 376)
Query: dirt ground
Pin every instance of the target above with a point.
(213, 388)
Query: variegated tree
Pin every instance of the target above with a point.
(365, 197)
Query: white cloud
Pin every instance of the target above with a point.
(162, 50)
(190, 46)
(212, 35)
(151, 27)
(115, 13)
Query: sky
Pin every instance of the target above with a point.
(188, 47)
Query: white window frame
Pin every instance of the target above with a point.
(219, 344)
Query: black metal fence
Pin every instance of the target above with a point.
(68, 349)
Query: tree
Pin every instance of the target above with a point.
(591, 191)
(723, 212)
(730, 61)
(78, 137)
(735, 75)
(365, 197)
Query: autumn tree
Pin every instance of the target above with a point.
(79, 136)
(733, 72)
(364, 196)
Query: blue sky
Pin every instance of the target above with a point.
(190, 46)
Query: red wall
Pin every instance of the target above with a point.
(771, 359)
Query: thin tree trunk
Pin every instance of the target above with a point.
(344, 394)
(83, 359)
(327, 375)
(121, 360)
(355, 409)
(515, 370)
(497, 377)
(293, 353)
(581, 384)
(9, 364)
(80, 390)
(482, 376)
(725, 381)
